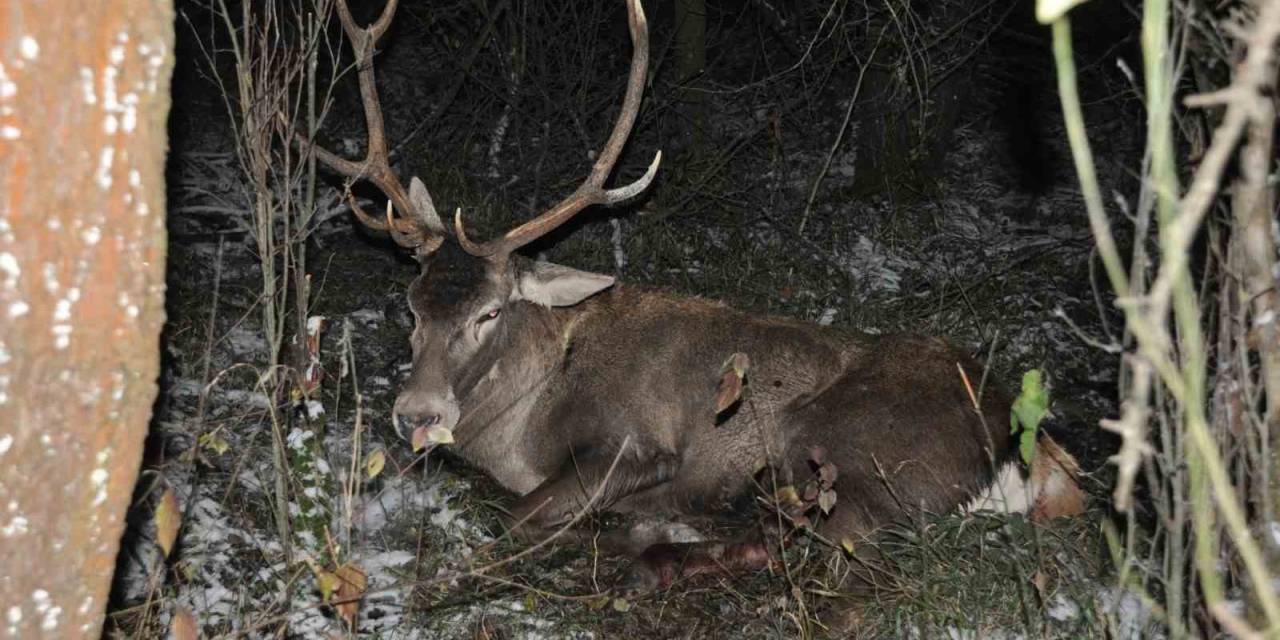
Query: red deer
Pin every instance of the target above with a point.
(577, 392)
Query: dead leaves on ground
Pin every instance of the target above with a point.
(374, 463)
(342, 588)
(816, 497)
(168, 519)
(733, 374)
(183, 626)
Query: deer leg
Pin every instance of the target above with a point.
(659, 566)
(587, 483)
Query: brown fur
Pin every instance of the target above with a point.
(559, 390)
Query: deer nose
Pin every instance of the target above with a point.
(407, 423)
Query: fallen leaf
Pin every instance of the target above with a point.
(818, 454)
(435, 434)
(327, 581)
(1041, 582)
(847, 545)
(351, 584)
(439, 435)
(214, 442)
(733, 374)
(827, 500)
(728, 392)
(787, 499)
(827, 475)
(374, 463)
(621, 605)
(182, 626)
(168, 518)
(810, 492)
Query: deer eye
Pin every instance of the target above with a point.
(489, 315)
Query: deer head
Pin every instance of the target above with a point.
(474, 302)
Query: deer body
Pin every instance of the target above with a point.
(545, 406)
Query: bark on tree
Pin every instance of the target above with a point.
(1254, 210)
(691, 60)
(84, 94)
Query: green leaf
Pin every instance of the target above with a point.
(328, 582)
(213, 441)
(1027, 446)
(374, 463)
(1028, 410)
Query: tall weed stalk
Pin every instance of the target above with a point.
(1208, 464)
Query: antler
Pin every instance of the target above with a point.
(418, 224)
(591, 191)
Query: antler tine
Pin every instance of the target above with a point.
(363, 42)
(411, 229)
(591, 191)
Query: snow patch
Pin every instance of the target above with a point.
(1062, 609)
(1010, 493)
(1133, 618)
(29, 48)
(404, 497)
(246, 344)
(7, 87)
(368, 317)
(874, 266)
(102, 175)
(9, 265)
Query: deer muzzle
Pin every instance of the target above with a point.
(416, 409)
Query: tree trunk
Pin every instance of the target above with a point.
(1253, 206)
(84, 93)
(691, 61)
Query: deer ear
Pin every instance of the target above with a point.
(552, 285)
(426, 209)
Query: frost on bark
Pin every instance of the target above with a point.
(84, 93)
